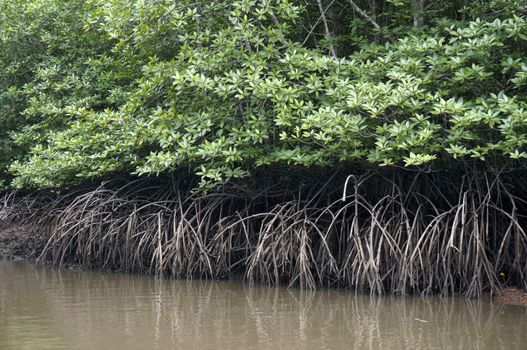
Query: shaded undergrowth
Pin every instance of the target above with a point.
(421, 233)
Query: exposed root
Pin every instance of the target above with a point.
(397, 235)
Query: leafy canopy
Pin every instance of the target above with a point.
(220, 88)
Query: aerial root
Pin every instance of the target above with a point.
(396, 238)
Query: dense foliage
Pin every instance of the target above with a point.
(90, 89)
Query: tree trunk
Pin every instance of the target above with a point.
(419, 12)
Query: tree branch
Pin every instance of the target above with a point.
(326, 28)
(316, 24)
(364, 14)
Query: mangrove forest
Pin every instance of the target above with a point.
(373, 145)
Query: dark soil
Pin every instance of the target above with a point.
(511, 296)
(19, 242)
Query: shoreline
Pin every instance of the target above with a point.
(20, 243)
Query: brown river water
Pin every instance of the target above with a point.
(44, 308)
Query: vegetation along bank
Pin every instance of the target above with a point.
(370, 144)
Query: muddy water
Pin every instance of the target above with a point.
(42, 308)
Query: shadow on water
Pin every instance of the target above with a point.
(43, 308)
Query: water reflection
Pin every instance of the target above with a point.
(41, 308)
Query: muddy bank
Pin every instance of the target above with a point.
(511, 296)
(19, 242)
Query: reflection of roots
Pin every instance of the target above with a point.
(400, 235)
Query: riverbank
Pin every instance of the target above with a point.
(20, 243)
(428, 235)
